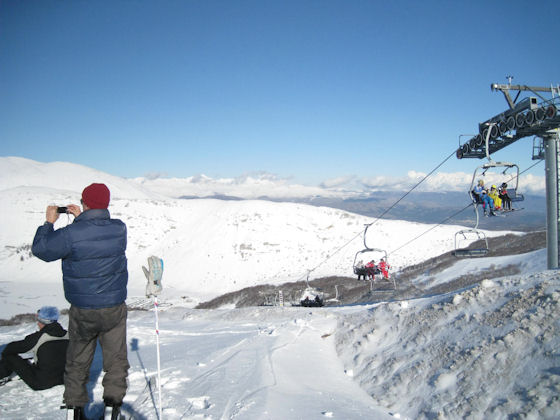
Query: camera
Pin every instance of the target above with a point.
(62, 209)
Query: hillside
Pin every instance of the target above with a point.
(210, 247)
(347, 290)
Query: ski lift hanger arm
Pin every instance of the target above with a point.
(368, 248)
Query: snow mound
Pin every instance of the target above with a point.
(490, 351)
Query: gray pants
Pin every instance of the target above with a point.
(85, 327)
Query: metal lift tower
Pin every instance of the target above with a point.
(533, 116)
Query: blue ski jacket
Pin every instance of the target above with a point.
(94, 265)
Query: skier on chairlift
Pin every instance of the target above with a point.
(493, 194)
(384, 267)
(480, 196)
(371, 269)
(503, 194)
(361, 270)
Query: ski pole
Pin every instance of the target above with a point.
(153, 288)
(158, 359)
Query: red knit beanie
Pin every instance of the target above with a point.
(96, 196)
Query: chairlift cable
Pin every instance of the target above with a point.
(329, 257)
(450, 217)
(379, 217)
(337, 250)
(522, 172)
(412, 189)
(432, 228)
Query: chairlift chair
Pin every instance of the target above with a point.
(474, 235)
(513, 192)
(311, 297)
(359, 271)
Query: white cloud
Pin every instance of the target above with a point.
(269, 185)
(455, 181)
(155, 175)
(341, 181)
(533, 184)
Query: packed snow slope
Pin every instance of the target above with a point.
(209, 246)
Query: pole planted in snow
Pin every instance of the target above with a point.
(160, 414)
(153, 288)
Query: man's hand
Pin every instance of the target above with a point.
(74, 209)
(52, 214)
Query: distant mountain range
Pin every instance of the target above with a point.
(426, 207)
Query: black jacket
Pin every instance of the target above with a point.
(50, 356)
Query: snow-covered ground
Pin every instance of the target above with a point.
(486, 352)
(490, 351)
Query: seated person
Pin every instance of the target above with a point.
(384, 267)
(477, 191)
(503, 194)
(487, 204)
(493, 194)
(360, 270)
(49, 346)
(371, 269)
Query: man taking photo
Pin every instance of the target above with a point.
(95, 277)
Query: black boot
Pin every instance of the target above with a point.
(75, 413)
(112, 411)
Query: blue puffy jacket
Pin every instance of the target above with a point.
(92, 250)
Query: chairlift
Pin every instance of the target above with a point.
(473, 236)
(311, 297)
(360, 270)
(513, 193)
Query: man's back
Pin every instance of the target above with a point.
(94, 264)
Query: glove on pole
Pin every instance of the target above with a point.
(153, 288)
(153, 275)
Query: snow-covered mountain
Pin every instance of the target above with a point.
(18, 172)
(485, 351)
(209, 246)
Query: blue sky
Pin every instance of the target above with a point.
(308, 90)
